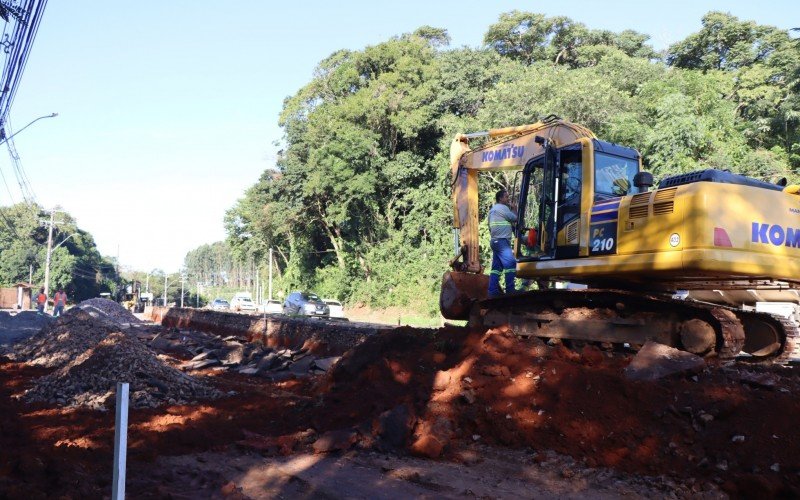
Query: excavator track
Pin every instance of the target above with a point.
(789, 342)
(732, 332)
(621, 316)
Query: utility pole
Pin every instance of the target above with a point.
(49, 249)
(165, 289)
(270, 273)
(30, 274)
(50, 224)
(182, 278)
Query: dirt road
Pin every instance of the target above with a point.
(423, 413)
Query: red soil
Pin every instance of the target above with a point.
(456, 387)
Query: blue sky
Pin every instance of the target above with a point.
(168, 110)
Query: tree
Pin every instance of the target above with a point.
(528, 37)
(726, 43)
(765, 62)
(75, 265)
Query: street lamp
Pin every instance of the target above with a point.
(167, 284)
(4, 139)
(64, 241)
(147, 281)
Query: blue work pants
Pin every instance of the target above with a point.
(503, 263)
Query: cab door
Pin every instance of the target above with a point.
(568, 213)
(538, 208)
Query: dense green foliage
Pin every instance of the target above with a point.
(358, 206)
(76, 265)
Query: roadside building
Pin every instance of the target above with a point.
(17, 296)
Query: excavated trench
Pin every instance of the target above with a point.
(323, 337)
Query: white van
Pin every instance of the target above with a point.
(243, 301)
(336, 308)
(271, 307)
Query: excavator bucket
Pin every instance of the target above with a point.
(459, 291)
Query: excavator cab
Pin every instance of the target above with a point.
(568, 196)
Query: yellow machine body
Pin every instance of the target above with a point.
(695, 236)
(712, 236)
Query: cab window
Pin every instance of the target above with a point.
(529, 244)
(571, 183)
(613, 176)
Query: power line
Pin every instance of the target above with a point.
(10, 197)
(22, 177)
(16, 42)
(10, 225)
(18, 46)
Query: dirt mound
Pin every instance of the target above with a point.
(91, 378)
(24, 319)
(63, 340)
(108, 310)
(19, 326)
(431, 392)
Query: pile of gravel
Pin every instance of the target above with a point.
(108, 310)
(63, 340)
(90, 379)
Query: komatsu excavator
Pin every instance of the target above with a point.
(708, 261)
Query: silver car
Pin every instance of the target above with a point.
(305, 304)
(219, 305)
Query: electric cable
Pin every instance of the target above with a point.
(10, 225)
(24, 34)
(22, 176)
(10, 197)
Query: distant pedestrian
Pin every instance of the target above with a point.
(41, 301)
(59, 302)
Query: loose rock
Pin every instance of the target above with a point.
(655, 361)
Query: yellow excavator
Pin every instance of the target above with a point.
(707, 261)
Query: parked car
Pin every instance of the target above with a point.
(271, 307)
(243, 301)
(305, 304)
(220, 305)
(336, 308)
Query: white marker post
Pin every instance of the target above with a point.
(120, 442)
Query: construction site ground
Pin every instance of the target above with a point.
(431, 413)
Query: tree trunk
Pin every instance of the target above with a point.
(337, 246)
(335, 238)
(364, 267)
